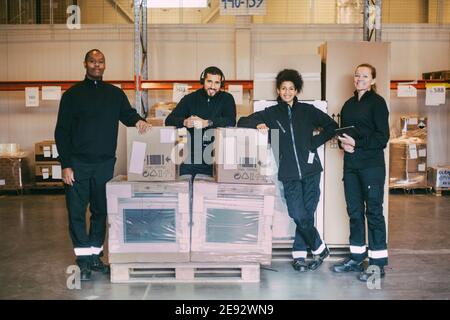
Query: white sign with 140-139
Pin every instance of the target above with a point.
(243, 7)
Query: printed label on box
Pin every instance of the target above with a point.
(56, 172)
(47, 152)
(55, 153)
(422, 152)
(2, 182)
(44, 173)
(421, 167)
(412, 121)
(412, 151)
(137, 157)
(167, 136)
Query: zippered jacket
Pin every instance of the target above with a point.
(220, 109)
(297, 143)
(88, 122)
(370, 116)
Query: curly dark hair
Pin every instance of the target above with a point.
(290, 75)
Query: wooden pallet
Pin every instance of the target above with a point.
(184, 272)
(439, 191)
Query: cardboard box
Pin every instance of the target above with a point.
(156, 122)
(231, 222)
(154, 155)
(241, 156)
(48, 172)
(148, 221)
(46, 151)
(439, 177)
(161, 108)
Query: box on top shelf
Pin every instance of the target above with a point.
(46, 151)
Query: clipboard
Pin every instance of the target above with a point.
(350, 130)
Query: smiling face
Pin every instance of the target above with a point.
(287, 92)
(363, 79)
(95, 65)
(212, 84)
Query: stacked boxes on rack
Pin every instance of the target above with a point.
(408, 154)
(47, 167)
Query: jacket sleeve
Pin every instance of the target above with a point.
(63, 131)
(128, 115)
(379, 138)
(181, 112)
(228, 116)
(253, 120)
(324, 121)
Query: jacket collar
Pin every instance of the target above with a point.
(282, 103)
(366, 94)
(91, 82)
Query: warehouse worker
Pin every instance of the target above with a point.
(299, 165)
(364, 174)
(206, 108)
(86, 138)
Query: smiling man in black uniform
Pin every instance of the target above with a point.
(86, 138)
(206, 108)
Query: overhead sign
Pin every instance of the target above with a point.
(243, 7)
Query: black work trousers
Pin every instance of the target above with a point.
(302, 197)
(89, 188)
(364, 191)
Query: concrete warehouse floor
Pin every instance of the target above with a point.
(35, 251)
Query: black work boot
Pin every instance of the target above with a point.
(85, 269)
(348, 265)
(318, 259)
(98, 265)
(365, 275)
(299, 264)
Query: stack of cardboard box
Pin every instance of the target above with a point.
(47, 167)
(157, 216)
(148, 211)
(408, 154)
(232, 213)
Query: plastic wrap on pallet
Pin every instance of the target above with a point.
(408, 162)
(12, 167)
(414, 126)
(148, 222)
(231, 222)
